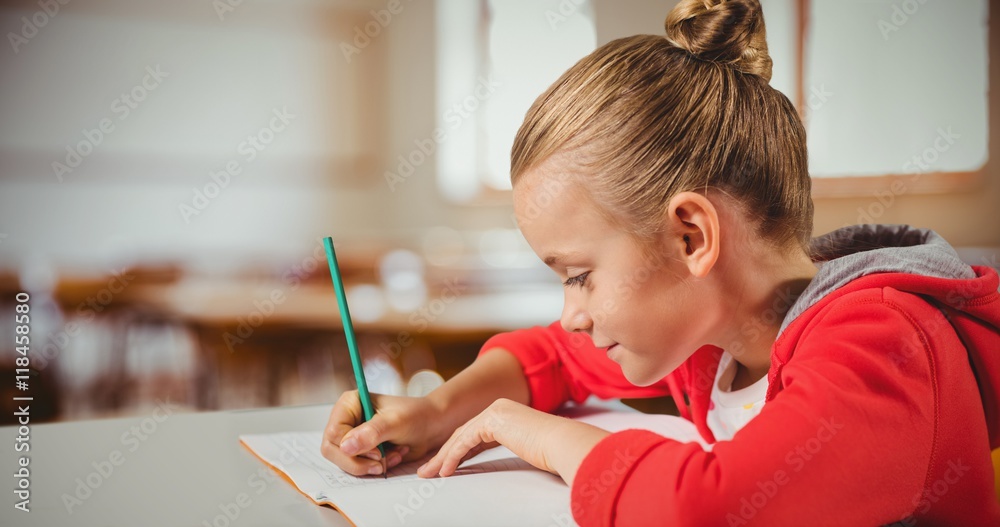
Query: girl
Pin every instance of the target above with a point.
(853, 379)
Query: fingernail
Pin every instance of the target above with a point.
(375, 470)
(349, 446)
(403, 451)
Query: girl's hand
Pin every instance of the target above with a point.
(551, 443)
(409, 423)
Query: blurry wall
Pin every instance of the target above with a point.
(228, 71)
(230, 137)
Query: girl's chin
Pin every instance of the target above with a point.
(635, 371)
(639, 378)
(636, 374)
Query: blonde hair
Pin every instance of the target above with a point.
(647, 117)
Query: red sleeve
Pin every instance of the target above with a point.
(562, 366)
(847, 441)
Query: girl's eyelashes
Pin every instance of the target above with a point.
(579, 280)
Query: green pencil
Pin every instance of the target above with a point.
(352, 342)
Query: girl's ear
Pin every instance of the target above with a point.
(692, 232)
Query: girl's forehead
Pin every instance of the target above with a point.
(546, 196)
(549, 183)
(557, 215)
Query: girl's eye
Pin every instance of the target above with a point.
(579, 280)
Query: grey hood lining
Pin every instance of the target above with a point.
(859, 250)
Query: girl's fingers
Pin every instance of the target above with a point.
(394, 454)
(473, 452)
(347, 428)
(344, 416)
(354, 465)
(463, 444)
(430, 468)
(395, 457)
(458, 453)
(433, 466)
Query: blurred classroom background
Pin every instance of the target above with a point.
(168, 170)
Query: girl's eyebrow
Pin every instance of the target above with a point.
(554, 258)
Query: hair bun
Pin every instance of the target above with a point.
(730, 32)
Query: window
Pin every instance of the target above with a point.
(894, 94)
(494, 58)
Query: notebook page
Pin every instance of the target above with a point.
(297, 454)
(493, 488)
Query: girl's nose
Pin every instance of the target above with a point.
(574, 316)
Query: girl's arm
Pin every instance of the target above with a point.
(491, 376)
(557, 366)
(561, 366)
(540, 366)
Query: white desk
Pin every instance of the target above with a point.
(188, 471)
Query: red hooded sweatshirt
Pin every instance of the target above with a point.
(882, 407)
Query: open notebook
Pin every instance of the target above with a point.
(494, 488)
